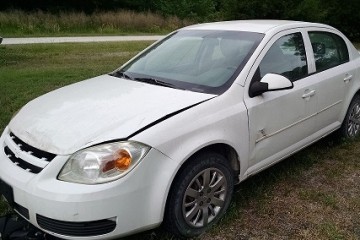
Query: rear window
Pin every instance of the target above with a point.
(329, 49)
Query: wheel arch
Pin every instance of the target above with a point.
(357, 93)
(347, 103)
(223, 149)
(344, 128)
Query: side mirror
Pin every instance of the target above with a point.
(270, 82)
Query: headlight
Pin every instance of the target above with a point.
(103, 163)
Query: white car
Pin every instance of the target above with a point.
(166, 136)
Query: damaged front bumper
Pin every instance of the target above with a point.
(77, 211)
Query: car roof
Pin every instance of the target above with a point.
(259, 26)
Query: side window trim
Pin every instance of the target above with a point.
(309, 52)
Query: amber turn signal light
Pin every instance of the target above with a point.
(121, 162)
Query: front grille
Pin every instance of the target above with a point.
(21, 163)
(76, 229)
(25, 156)
(33, 151)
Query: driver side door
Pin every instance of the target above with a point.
(280, 121)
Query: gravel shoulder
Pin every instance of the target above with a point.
(12, 41)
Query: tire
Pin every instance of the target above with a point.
(350, 127)
(194, 203)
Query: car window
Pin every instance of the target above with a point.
(286, 57)
(170, 57)
(329, 50)
(197, 60)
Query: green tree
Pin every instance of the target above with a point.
(194, 9)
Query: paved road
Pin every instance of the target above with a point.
(9, 41)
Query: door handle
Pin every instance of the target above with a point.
(309, 94)
(348, 78)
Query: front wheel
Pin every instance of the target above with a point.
(351, 125)
(200, 195)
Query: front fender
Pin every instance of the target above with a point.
(220, 120)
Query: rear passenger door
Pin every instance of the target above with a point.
(333, 75)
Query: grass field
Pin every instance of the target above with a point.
(28, 71)
(314, 194)
(122, 22)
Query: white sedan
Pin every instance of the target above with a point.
(166, 136)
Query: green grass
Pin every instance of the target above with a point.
(28, 71)
(312, 195)
(22, 24)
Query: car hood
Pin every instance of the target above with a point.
(96, 110)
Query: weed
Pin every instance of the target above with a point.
(4, 207)
(331, 231)
(19, 23)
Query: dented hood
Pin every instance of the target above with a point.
(96, 110)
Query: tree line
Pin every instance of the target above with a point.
(343, 14)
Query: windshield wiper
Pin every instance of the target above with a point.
(121, 74)
(148, 80)
(154, 81)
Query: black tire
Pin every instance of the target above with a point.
(194, 203)
(350, 127)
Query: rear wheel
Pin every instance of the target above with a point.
(351, 125)
(200, 195)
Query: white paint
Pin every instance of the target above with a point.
(276, 82)
(96, 110)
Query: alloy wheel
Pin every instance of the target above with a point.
(353, 126)
(204, 197)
